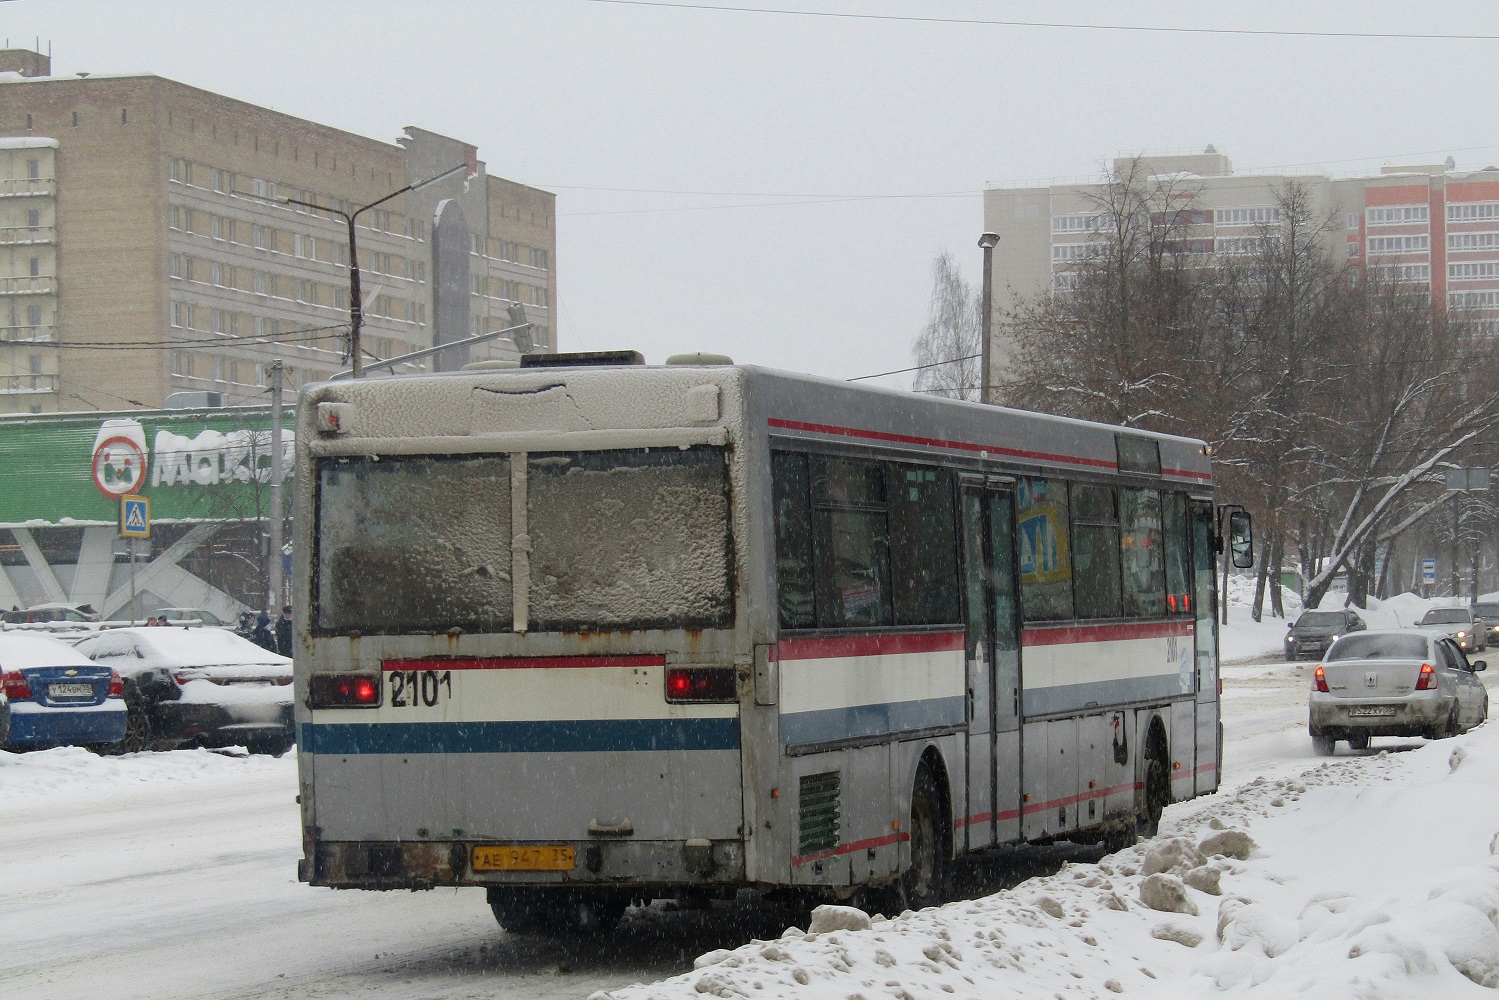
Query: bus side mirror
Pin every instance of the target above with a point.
(1241, 539)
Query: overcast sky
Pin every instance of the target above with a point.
(774, 186)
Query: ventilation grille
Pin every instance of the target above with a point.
(819, 804)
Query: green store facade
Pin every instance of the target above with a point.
(207, 475)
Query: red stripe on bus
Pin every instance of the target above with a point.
(523, 662)
(1186, 474)
(857, 845)
(1111, 632)
(1035, 807)
(797, 425)
(870, 645)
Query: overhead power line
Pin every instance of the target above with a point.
(1062, 25)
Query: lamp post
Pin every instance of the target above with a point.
(356, 306)
(987, 242)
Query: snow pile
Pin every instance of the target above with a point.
(44, 777)
(1367, 877)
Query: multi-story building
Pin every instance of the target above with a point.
(147, 246)
(1433, 228)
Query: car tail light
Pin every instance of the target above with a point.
(343, 691)
(1427, 681)
(116, 685)
(700, 684)
(15, 684)
(282, 681)
(1319, 677)
(183, 676)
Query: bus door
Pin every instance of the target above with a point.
(1205, 597)
(993, 663)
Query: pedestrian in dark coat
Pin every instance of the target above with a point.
(283, 632)
(263, 637)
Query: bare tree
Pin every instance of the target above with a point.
(948, 346)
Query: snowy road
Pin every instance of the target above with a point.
(174, 876)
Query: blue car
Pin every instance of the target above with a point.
(58, 696)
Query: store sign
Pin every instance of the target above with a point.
(195, 465)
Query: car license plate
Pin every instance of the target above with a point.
(501, 858)
(55, 691)
(1361, 710)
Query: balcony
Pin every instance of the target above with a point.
(20, 235)
(28, 334)
(45, 284)
(32, 187)
(27, 385)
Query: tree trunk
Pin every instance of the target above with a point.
(1259, 581)
(1277, 560)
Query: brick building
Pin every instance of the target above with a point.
(143, 213)
(1433, 228)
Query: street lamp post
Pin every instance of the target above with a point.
(987, 242)
(356, 304)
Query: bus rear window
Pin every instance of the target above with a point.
(629, 540)
(414, 544)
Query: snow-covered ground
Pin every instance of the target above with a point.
(173, 875)
(1370, 876)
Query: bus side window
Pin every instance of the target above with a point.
(1141, 557)
(792, 496)
(1043, 524)
(1178, 586)
(1095, 552)
(923, 545)
(851, 543)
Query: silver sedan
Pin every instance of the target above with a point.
(1394, 683)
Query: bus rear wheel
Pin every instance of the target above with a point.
(538, 911)
(1157, 793)
(925, 881)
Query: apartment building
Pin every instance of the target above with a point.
(147, 245)
(1434, 228)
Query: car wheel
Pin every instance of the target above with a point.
(139, 733)
(925, 881)
(1360, 742)
(1290, 657)
(1323, 744)
(1452, 727)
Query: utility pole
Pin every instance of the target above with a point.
(987, 243)
(356, 303)
(277, 375)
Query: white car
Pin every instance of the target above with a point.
(203, 686)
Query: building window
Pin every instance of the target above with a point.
(1399, 244)
(1481, 211)
(33, 316)
(1473, 241)
(174, 265)
(33, 218)
(1397, 215)
(33, 169)
(1244, 245)
(1262, 215)
(1475, 271)
(1473, 300)
(1352, 220)
(1404, 272)
(182, 315)
(539, 297)
(539, 259)
(182, 171)
(187, 220)
(1067, 252)
(1087, 223)
(1353, 250)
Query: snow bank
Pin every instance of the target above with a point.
(1338, 892)
(47, 777)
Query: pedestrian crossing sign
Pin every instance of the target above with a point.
(135, 517)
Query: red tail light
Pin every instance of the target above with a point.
(343, 691)
(116, 685)
(15, 684)
(1319, 677)
(700, 684)
(1427, 681)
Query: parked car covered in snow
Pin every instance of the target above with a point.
(203, 686)
(1394, 683)
(57, 696)
(53, 612)
(1315, 631)
(189, 616)
(1458, 623)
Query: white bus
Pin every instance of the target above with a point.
(588, 632)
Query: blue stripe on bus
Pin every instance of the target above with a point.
(1076, 697)
(569, 736)
(860, 721)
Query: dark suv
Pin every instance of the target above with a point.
(1488, 612)
(1314, 631)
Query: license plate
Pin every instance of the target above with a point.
(498, 858)
(55, 691)
(1372, 710)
